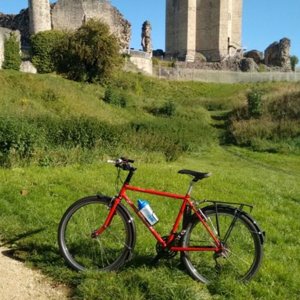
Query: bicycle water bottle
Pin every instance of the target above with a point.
(147, 212)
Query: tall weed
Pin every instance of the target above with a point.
(275, 125)
(17, 138)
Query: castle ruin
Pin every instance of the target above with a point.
(39, 16)
(212, 28)
(67, 15)
(194, 28)
(204, 34)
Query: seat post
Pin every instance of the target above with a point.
(190, 189)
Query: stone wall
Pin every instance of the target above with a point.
(70, 14)
(176, 28)
(67, 14)
(18, 22)
(189, 74)
(39, 12)
(210, 27)
(142, 60)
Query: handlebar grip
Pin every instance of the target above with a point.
(110, 161)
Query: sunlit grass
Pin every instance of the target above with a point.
(269, 181)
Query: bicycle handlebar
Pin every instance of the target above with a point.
(123, 163)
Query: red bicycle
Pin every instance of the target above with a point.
(98, 232)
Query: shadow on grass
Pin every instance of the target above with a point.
(21, 236)
(32, 251)
(150, 261)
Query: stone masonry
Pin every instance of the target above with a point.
(210, 27)
(278, 54)
(71, 14)
(17, 22)
(66, 15)
(39, 14)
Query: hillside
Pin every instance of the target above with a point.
(43, 116)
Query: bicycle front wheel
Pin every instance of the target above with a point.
(107, 252)
(243, 251)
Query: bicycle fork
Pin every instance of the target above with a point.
(112, 211)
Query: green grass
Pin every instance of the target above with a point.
(269, 181)
(60, 169)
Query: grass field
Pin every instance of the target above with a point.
(50, 161)
(33, 199)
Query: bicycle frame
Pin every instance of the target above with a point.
(110, 220)
(186, 201)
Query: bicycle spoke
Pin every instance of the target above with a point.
(108, 250)
(239, 257)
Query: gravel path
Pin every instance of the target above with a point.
(17, 282)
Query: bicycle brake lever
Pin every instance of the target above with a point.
(127, 160)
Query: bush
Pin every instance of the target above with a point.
(294, 61)
(82, 132)
(115, 97)
(17, 137)
(91, 54)
(44, 47)
(254, 99)
(277, 128)
(12, 58)
(168, 109)
(286, 107)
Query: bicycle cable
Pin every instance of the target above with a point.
(118, 180)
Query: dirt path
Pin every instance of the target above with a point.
(17, 282)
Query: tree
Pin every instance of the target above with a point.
(43, 47)
(294, 61)
(12, 57)
(91, 54)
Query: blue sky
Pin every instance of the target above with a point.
(264, 21)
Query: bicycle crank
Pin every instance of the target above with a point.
(164, 253)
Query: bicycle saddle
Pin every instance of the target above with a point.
(197, 175)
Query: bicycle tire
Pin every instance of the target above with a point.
(107, 252)
(244, 252)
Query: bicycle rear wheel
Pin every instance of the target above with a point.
(107, 252)
(243, 250)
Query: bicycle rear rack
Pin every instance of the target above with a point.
(216, 202)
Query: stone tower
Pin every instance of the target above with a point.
(39, 15)
(210, 27)
(71, 14)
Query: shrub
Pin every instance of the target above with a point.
(294, 61)
(50, 95)
(115, 97)
(254, 100)
(91, 54)
(262, 68)
(173, 152)
(168, 109)
(286, 107)
(81, 132)
(16, 137)
(44, 47)
(12, 57)
(277, 128)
